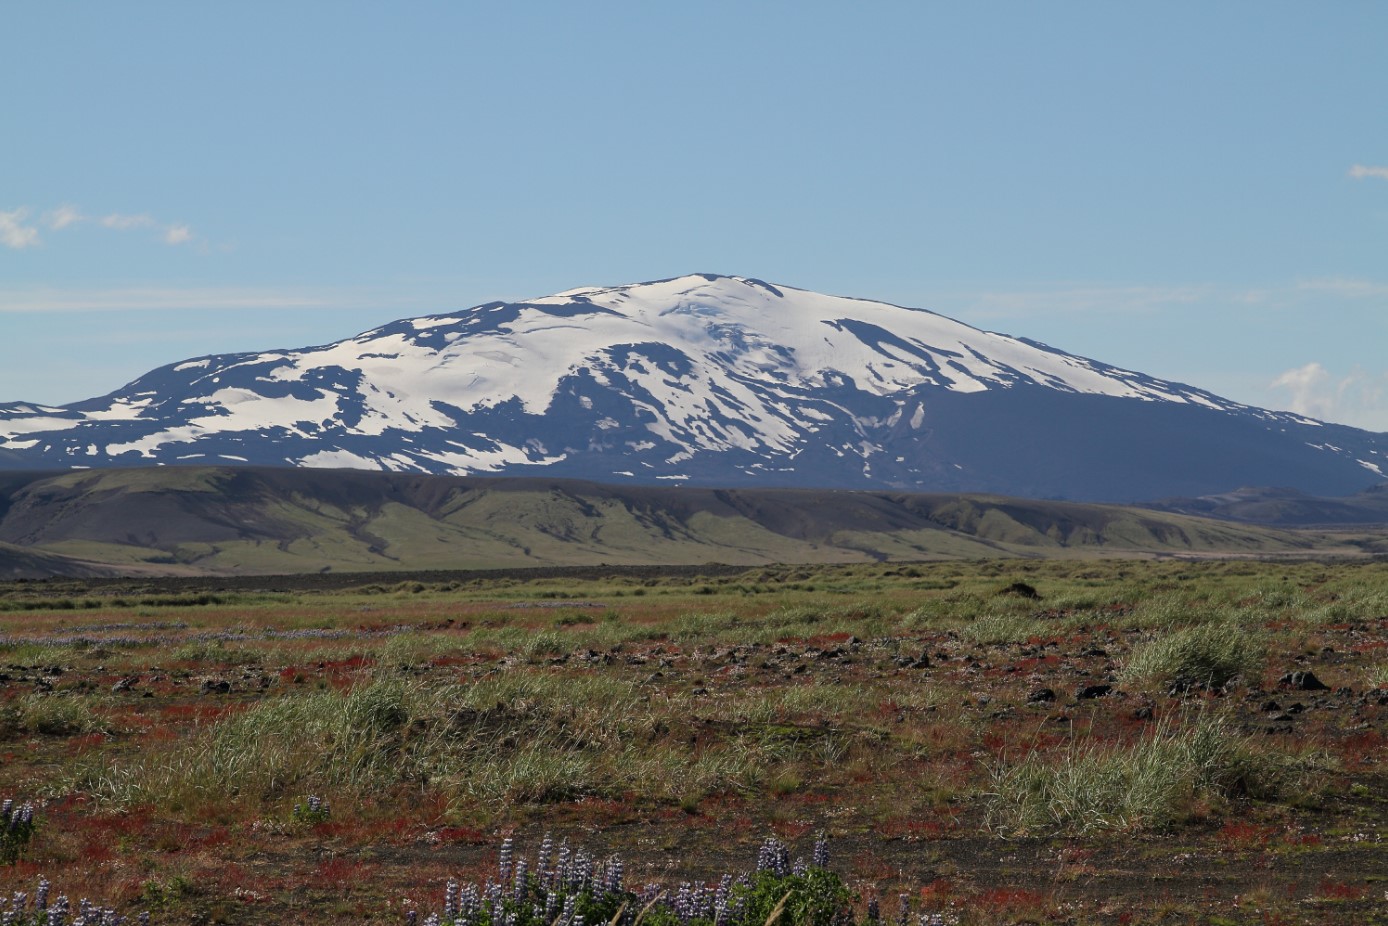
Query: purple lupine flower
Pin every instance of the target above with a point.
(411, 917)
(542, 859)
(561, 865)
(774, 857)
(450, 900)
(504, 861)
(468, 903)
(581, 871)
(41, 895)
(683, 909)
(612, 875)
(874, 913)
(820, 857)
(520, 879)
(432, 920)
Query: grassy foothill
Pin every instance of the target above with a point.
(1007, 741)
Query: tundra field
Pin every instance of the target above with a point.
(1000, 742)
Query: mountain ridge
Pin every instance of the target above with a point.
(705, 380)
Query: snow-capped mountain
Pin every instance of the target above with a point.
(706, 379)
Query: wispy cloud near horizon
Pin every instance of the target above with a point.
(1363, 172)
(43, 300)
(17, 235)
(14, 233)
(1359, 396)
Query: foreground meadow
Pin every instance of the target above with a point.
(1005, 742)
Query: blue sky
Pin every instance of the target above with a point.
(1194, 190)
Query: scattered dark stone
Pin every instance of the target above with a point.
(214, 687)
(1345, 692)
(1281, 718)
(1040, 696)
(699, 691)
(1094, 651)
(1302, 681)
(124, 684)
(1089, 692)
(54, 670)
(1296, 708)
(1021, 590)
(1143, 713)
(1270, 707)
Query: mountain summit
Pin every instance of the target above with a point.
(705, 379)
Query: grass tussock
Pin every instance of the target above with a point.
(1204, 656)
(1149, 784)
(54, 714)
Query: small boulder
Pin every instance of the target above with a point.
(1302, 681)
(1041, 696)
(1090, 692)
(1021, 590)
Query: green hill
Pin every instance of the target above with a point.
(252, 520)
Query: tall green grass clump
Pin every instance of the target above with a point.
(1149, 784)
(1204, 656)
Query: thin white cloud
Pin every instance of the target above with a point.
(121, 222)
(14, 233)
(988, 304)
(46, 300)
(62, 217)
(389, 301)
(1359, 397)
(1362, 171)
(1347, 287)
